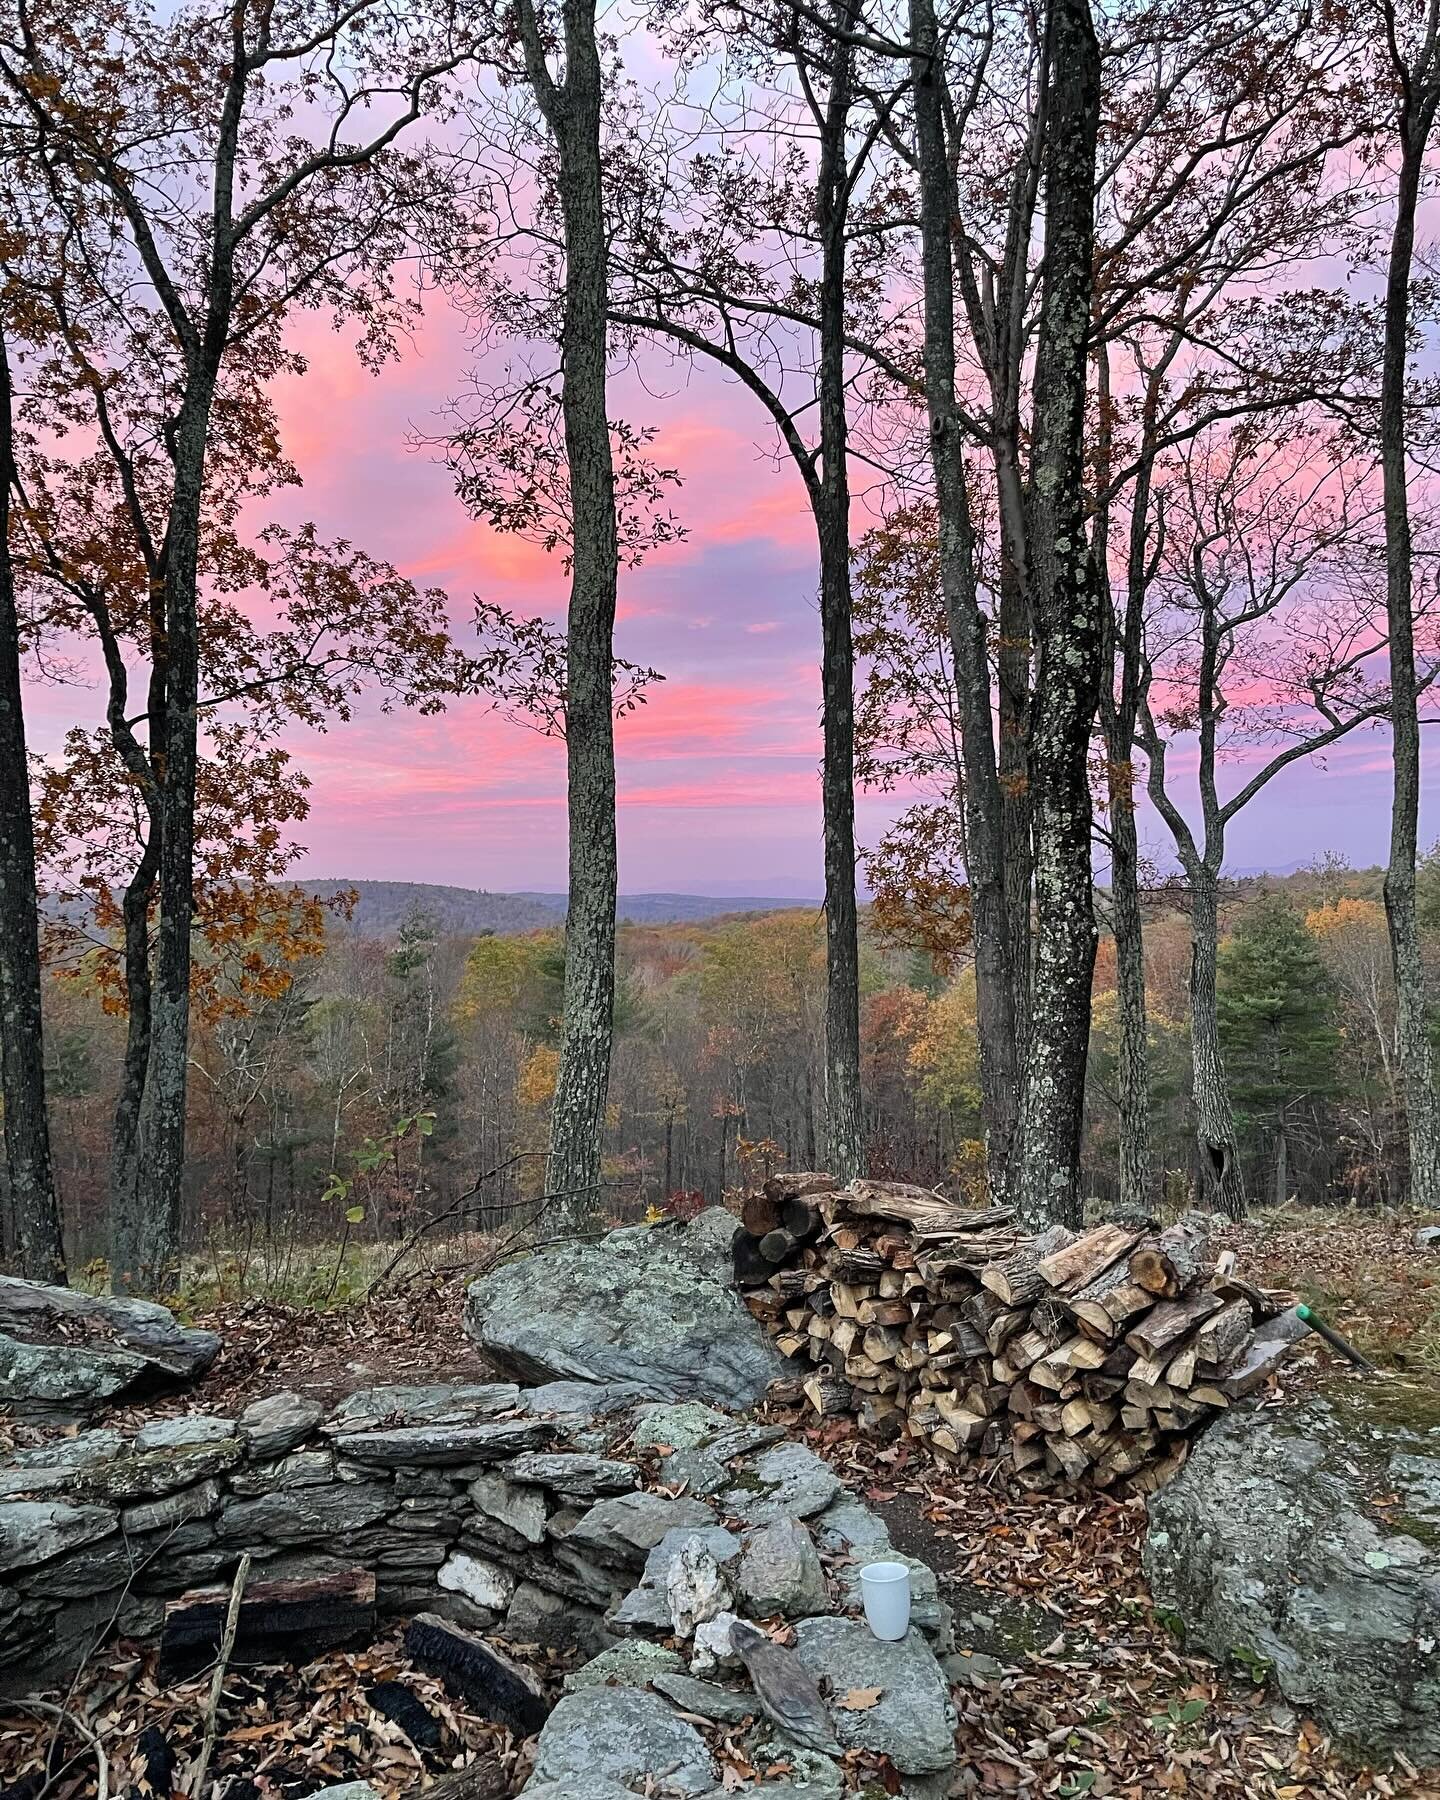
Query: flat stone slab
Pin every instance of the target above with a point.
(56, 1467)
(278, 1423)
(620, 1734)
(34, 1531)
(574, 1474)
(446, 1445)
(634, 1663)
(404, 1403)
(786, 1481)
(185, 1432)
(482, 1582)
(724, 1705)
(847, 1523)
(64, 1380)
(579, 1787)
(31, 1309)
(913, 1722)
(518, 1511)
(626, 1528)
(163, 1468)
(304, 1516)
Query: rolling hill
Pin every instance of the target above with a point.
(382, 905)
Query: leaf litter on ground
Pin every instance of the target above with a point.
(1093, 1695)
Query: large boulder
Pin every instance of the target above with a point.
(64, 1354)
(643, 1306)
(1307, 1542)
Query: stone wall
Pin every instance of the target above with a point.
(522, 1512)
(440, 1491)
(609, 1513)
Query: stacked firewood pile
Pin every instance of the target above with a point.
(1076, 1358)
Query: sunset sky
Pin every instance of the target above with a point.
(717, 773)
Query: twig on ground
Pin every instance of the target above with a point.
(217, 1683)
(64, 1717)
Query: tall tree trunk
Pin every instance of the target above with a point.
(1119, 710)
(1220, 1171)
(146, 1239)
(843, 1131)
(124, 1138)
(1067, 607)
(583, 1080)
(39, 1247)
(1414, 1051)
(1013, 714)
(1134, 1052)
(844, 1153)
(984, 812)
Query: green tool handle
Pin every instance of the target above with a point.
(1334, 1339)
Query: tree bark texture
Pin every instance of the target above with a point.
(1413, 1047)
(1220, 1171)
(1119, 711)
(145, 1242)
(1013, 657)
(984, 811)
(843, 1124)
(145, 1239)
(39, 1248)
(1067, 611)
(572, 110)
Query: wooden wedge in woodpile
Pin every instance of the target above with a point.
(1075, 1358)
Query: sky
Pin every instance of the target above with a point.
(718, 772)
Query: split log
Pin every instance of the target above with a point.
(1003, 1327)
(800, 1217)
(759, 1214)
(1170, 1321)
(484, 1779)
(1263, 1355)
(1016, 1279)
(797, 1184)
(1076, 1265)
(777, 1245)
(751, 1268)
(857, 1266)
(828, 1396)
(478, 1673)
(279, 1621)
(884, 1312)
(1166, 1265)
(1219, 1339)
(1263, 1304)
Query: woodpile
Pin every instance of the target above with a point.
(1074, 1358)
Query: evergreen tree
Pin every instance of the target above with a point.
(1277, 1026)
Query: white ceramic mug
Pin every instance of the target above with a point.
(885, 1589)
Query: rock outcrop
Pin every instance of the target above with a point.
(65, 1354)
(1307, 1543)
(652, 1308)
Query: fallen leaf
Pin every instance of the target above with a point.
(859, 1699)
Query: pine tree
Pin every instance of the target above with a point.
(1277, 1025)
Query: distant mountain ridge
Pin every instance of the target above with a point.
(381, 906)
